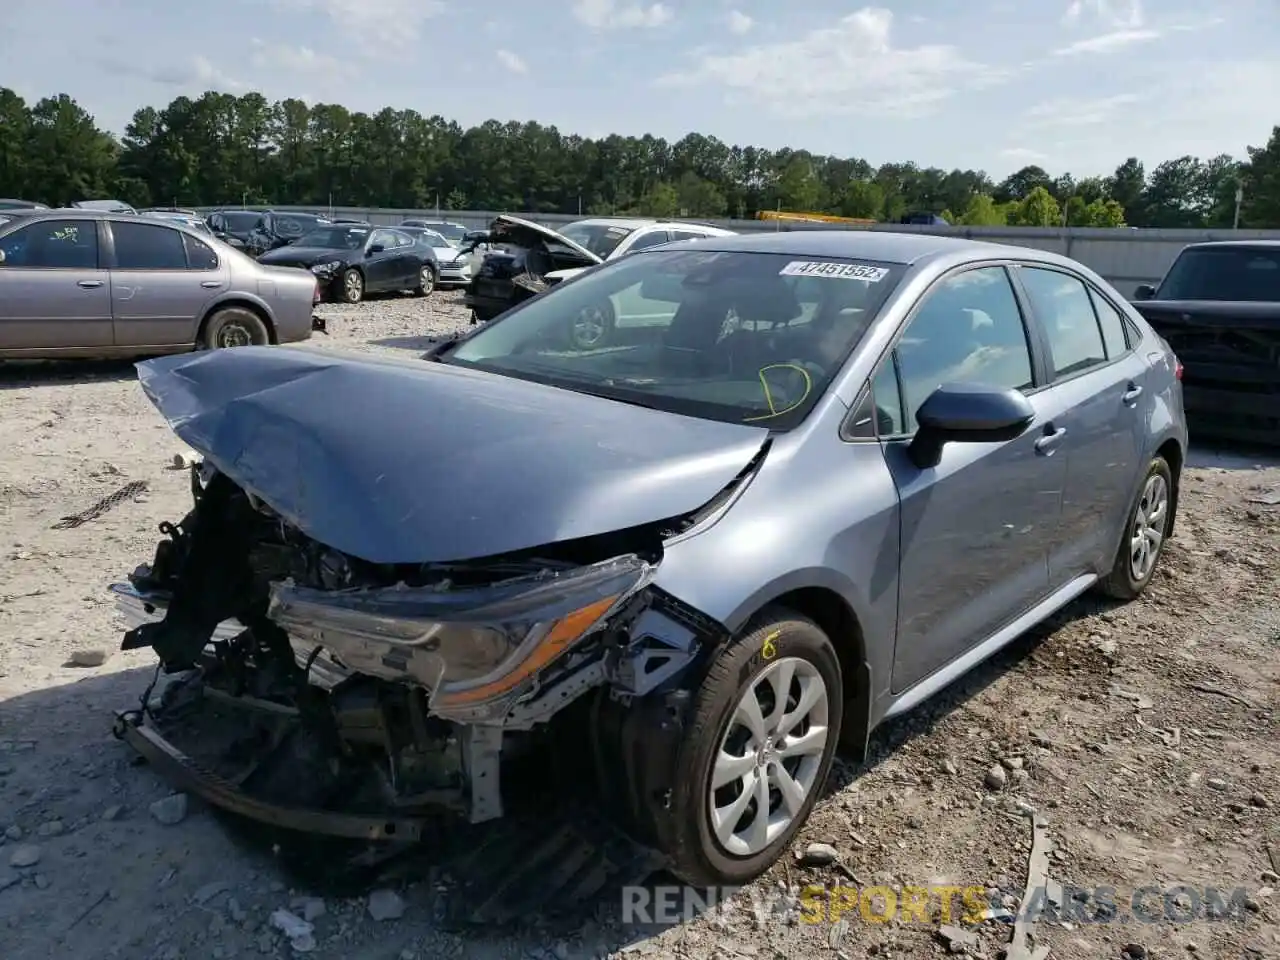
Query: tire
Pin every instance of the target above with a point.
(352, 287)
(593, 327)
(234, 327)
(1128, 578)
(427, 281)
(777, 641)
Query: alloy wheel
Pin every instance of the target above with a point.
(769, 756)
(1149, 522)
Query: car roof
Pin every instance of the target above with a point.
(882, 245)
(1258, 244)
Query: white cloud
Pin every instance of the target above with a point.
(739, 22)
(1116, 14)
(512, 62)
(615, 15)
(298, 60)
(377, 27)
(1074, 112)
(196, 75)
(849, 68)
(1023, 155)
(1108, 42)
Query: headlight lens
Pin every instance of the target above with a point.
(330, 267)
(476, 650)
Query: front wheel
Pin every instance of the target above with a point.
(426, 281)
(759, 748)
(1146, 529)
(352, 286)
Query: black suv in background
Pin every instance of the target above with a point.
(257, 231)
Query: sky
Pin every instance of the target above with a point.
(1071, 85)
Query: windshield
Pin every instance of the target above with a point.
(335, 238)
(450, 231)
(294, 224)
(1224, 273)
(599, 238)
(741, 337)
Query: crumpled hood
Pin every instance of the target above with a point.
(412, 462)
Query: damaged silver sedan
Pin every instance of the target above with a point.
(813, 479)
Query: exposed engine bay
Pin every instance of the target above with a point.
(320, 692)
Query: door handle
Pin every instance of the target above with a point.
(210, 284)
(1132, 394)
(88, 284)
(1049, 442)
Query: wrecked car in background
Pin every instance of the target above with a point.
(1219, 308)
(531, 258)
(682, 566)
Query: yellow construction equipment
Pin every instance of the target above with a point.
(811, 217)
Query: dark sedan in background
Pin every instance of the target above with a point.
(352, 261)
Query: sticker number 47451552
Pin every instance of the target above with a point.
(834, 270)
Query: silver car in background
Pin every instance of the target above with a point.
(79, 283)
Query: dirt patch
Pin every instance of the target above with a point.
(1145, 734)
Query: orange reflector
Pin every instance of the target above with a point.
(557, 640)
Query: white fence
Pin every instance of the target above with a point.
(1126, 257)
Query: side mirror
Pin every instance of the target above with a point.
(376, 248)
(1144, 291)
(967, 413)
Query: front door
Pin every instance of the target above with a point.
(380, 269)
(157, 298)
(53, 293)
(974, 528)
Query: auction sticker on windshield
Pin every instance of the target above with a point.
(833, 270)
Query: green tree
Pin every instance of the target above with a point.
(982, 211)
(1037, 209)
(1260, 181)
(862, 199)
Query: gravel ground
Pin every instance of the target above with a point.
(1144, 735)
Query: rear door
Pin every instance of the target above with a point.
(408, 259)
(162, 282)
(54, 292)
(1097, 386)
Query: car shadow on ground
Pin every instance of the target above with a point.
(23, 374)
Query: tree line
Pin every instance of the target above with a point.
(225, 149)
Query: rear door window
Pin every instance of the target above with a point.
(1062, 306)
(1112, 324)
(200, 256)
(145, 246)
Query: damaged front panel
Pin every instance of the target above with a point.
(317, 688)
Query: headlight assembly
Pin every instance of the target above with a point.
(475, 650)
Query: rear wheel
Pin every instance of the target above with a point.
(1146, 529)
(758, 751)
(352, 286)
(235, 327)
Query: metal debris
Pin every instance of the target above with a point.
(130, 490)
(1020, 947)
